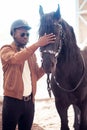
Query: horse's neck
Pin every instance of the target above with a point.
(73, 65)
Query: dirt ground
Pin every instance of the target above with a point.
(46, 117)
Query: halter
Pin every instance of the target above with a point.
(60, 43)
(48, 85)
(53, 52)
(56, 54)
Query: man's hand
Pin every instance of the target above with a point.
(46, 39)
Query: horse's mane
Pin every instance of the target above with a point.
(70, 49)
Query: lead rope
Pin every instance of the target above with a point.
(77, 86)
(48, 85)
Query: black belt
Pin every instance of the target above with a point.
(27, 98)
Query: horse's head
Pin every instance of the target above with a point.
(53, 23)
(50, 23)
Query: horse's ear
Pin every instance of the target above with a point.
(57, 13)
(41, 11)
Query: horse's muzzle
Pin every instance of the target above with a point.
(48, 68)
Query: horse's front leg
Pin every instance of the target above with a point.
(63, 115)
(83, 122)
(77, 114)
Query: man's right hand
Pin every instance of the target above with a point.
(46, 39)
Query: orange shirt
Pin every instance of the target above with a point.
(12, 65)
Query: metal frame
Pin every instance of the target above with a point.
(81, 21)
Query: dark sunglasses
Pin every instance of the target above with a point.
(24, 34)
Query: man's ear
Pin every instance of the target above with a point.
(13, 33)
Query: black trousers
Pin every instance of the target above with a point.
(15, 112)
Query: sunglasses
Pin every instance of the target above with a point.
(24, 34)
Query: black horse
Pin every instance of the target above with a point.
(68, 67)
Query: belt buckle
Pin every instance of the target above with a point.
(27, 98)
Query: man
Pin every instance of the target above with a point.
(20, 72)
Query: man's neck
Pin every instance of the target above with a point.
(19, 45)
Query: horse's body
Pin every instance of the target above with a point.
(68, 65)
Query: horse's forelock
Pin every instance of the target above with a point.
(46, 22)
